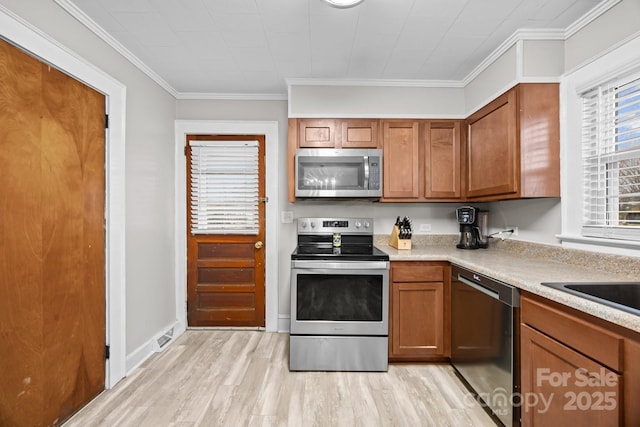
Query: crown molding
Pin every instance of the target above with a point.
(589, 17)
(84, 19)
(517, 36)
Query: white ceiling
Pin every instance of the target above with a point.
(253, 46)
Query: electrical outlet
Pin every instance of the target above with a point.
(514, 228)
(286, 217)
(425, 227)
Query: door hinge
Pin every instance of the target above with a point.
(106, 121)
(185, 150)
(107, 352)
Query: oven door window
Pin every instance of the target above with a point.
(339, 297)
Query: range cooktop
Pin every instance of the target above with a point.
(345, 252)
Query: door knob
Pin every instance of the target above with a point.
(258, 244)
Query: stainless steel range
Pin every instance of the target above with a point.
(339, 297)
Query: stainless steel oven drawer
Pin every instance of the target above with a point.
(338, 353)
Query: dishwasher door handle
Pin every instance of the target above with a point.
(490, 292)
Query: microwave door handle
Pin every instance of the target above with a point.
(366, 172)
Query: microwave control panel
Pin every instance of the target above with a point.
(374, 173)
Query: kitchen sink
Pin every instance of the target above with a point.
(621, 295)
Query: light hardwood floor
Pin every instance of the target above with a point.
(241, 378)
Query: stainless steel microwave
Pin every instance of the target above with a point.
(346, 173)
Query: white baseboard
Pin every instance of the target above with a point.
(142, 353)
(284, 321)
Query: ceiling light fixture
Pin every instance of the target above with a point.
(343, 4)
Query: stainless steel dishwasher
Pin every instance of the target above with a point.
(485, 319)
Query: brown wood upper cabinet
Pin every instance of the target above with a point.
(513, 145)
(317, 133)
(442, 161)
(422, 160)
(401, 159)
(337, 133)
(359, 133)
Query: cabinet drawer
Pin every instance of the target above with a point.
(598, 343)
(406, 272)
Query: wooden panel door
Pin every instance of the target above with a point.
(226, 272)
(52, 278)
(359, 133)
(575, 389)
(492, 149)
(418, 319)
(401, 159)
(442, 160)
(318, 133)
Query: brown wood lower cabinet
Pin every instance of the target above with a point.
(576, 369)
(419, 325)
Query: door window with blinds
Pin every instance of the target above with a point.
(224, 187)
(611, 159)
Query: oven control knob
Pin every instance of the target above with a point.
(304, 224)
(366, 224)
(358, 224)
(313, 224)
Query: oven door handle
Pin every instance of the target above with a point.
(357, 265)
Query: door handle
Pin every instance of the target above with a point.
(258, 245)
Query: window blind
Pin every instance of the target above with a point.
(224, 187)
(611, 159)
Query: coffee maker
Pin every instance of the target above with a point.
(473, 227)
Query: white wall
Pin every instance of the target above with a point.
(493, 81)
(618, 24)
(150, 113)
(538, 220)
(542, 59)
(326, 100)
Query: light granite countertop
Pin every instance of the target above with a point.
(526, 266)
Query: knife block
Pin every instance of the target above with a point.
(396, 242)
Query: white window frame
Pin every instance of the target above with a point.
(623, 59)
(601, 203)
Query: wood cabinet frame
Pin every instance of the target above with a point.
(557, 335)
(436, 159)
(401, 160)
(513, 145)
(414, 334)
